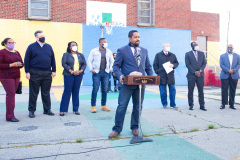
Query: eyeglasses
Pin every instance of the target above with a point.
(11, 42)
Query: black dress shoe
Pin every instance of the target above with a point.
(191, 108)
(49, 112)
(31, 114)
(13, 120)
(61, 114)
(204, 109)
(232, 107)
(77, 113)
(222, 106)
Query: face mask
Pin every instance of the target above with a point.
(167, 49)
(105, 45)
(74, 48)
(10, 46)
(196, 48)
(42, 39)
(230, 50)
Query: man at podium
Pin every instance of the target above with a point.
(130, 58)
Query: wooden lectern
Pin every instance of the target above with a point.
(141, 80)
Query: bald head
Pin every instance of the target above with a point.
(230, 49)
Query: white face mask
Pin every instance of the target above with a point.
(167, 49)
(105, 45)
(74, 48)
(196, 48)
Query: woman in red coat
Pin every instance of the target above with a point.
(10, 64)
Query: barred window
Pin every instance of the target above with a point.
(146, 12)
(39, 9)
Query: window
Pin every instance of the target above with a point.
(146, 12)
(39, 9)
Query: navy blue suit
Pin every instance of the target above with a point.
(229, 81)
(124, 64)
(194, 65)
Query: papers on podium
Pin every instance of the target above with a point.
(167, 68)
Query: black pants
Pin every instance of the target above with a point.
(230, 84)
(191, 85)
(43, 80)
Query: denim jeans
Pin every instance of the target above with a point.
(124, 96)
(71, 87)
(97, 78)
(163, 94)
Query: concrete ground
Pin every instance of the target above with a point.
(85, 137)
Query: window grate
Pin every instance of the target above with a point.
(39, 9)
(146, 13)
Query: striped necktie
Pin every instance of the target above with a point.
(136, 54)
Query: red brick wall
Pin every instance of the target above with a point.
(208, 23)
(173, 14)
(14, 9)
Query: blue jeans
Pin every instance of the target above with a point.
(71, 87)
(163, 94)
(97, 78)
(124, 96)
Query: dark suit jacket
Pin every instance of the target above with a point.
(159, 60)
(225, 66)
(125, 62)
(68, 62)
(193, 65)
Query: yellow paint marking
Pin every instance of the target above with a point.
(57, 91)
(157, 91)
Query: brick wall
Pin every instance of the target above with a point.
(206, 23)
(173, 14)
(14, 9)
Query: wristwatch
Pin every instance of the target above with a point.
(200, 70)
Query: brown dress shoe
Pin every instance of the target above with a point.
(135, 132)
(113, 134)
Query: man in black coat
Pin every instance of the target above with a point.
(166, 79)
(195, 62)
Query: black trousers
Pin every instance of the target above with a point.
(230, 84)
(191, 85)
(43, 80)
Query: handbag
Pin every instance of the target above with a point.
(19, 89)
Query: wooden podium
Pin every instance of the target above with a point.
(141, 80)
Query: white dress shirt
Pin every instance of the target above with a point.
(230, 56)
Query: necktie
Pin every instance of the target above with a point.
(196, 56)
(136, 54)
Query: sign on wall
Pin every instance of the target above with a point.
(100, 12)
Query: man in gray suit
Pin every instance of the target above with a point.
(195, 62)
(230, 64)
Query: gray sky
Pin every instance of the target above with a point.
(222, 7)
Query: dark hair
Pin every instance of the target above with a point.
(5, 41)
(130, 34)
(69, 45)
(114, 53)
(192, 44)
(38, 31)
(101, 39)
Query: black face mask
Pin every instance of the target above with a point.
(133, 45)
(230, 50)
(42, 39)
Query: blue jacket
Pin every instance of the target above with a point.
(125, 62)
(225, 66)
